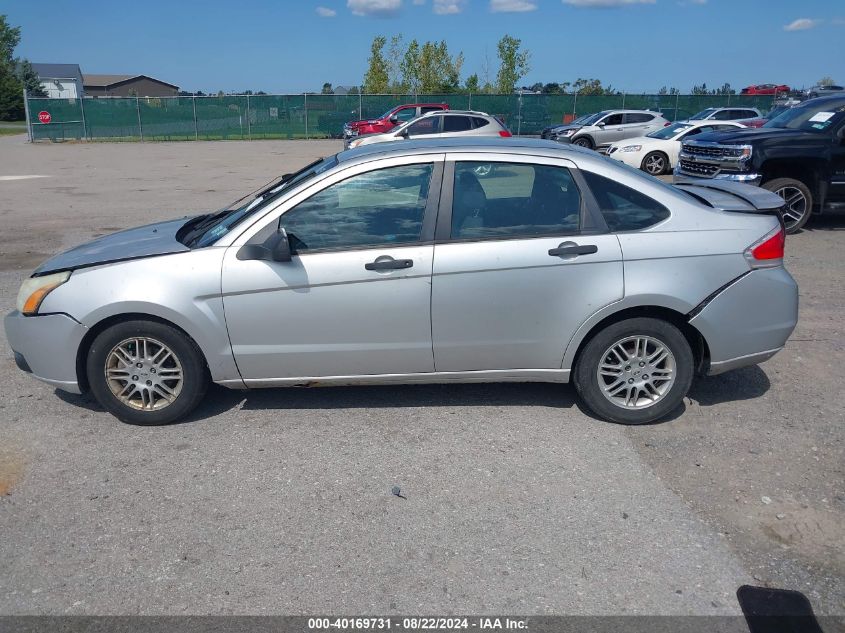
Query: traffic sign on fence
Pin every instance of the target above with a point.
(44, 116)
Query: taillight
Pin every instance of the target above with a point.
(768, 252)
(504, 133)
(667, 124)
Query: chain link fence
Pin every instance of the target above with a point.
(247, 117)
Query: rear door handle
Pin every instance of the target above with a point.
(571, 249)
(385, 262)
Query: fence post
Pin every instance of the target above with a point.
(196, 127)
(306, 115)
(248, 124)
(138, 110)
(574, 103)
(677, 98)
(623, 100)
(469, 103)
(519, 115)
(729, 98)
(82, 111)
(360, 104)
(26, 112)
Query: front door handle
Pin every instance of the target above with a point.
(571, 249)
(385, 262)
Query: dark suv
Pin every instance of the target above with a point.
(799, 155)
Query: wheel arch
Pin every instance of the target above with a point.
(100, 326)
(811, 172)
(698, 344)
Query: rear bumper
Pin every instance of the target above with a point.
(46, 347)
(749, 321)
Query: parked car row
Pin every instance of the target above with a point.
(436, 124)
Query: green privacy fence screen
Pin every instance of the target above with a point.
(243, 117)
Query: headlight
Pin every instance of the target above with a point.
(632, 148)
(354, 144)
(567, 133)
(35, 289)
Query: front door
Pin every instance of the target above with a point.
(515, 271)
(355, 299)
(836, 191)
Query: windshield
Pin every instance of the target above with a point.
(206, 230)
(703, 114)
(817, 118)
(592, 118)
(670, 131)
(777, 110)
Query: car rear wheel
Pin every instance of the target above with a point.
(145, 372)
(635, 371)
(583, 141)
(655, 163)
(798, 201)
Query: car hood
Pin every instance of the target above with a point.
(763, 135)
(362, 123)
(638, 140)
(143, 241)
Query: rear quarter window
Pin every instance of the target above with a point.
(623, 208)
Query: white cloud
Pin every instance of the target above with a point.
(419, 1)
(380, 8)
(448, 7)
(802, 24)
(512, 6)
(605, 3)
(323, 12)
(684, 3)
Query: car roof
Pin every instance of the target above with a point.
(451, 112)
(513, 145)
(836, 101)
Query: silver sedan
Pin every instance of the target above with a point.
(447, 260)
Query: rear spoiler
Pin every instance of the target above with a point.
(731, 196)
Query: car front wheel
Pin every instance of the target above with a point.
(145, 372)
(655, 163)
(583, 141)
(635, 371)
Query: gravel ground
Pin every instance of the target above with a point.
(280, 501)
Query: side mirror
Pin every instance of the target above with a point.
(394, 119)
(403, 133)
(275, 248)
(600, 124)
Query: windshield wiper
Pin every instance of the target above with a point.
(195, 228)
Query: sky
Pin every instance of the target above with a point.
(295, 46)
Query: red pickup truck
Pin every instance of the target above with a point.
(389, 119)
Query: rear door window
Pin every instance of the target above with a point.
(638, 117)
(456, 123)
(501, 200)
(623, 208)
(479, 122)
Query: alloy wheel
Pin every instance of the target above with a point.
(795, 207)
(655, 164)
(143, 373)
(636, 372)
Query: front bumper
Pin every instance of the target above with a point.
(632, 159)
(46, 346)
(749, 321)
(748, 178)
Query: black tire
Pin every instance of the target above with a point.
(587, 381)
(584, 141)
(185, 353)
(655, 163)
(796, 215)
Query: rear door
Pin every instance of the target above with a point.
(519, 263)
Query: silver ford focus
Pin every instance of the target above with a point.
(445, 260)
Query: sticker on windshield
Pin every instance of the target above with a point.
(821, 117)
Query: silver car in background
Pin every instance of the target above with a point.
(598, 131)
(448, 260)
(440, 124)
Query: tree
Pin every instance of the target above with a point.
(591, 87)
(551, 88)
(513, 64)
(700, 90)
(439, 72)
(395, 57)
(409, 67)
(825, 81)
(725, 90)
(15, 74)
(472, 85)
(376, 79)
(327, 89)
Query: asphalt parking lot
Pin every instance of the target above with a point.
(279, 501)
